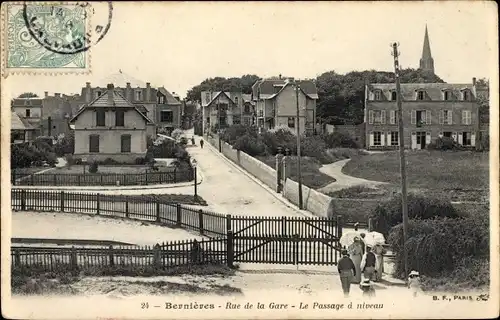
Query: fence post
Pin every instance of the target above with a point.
(111, 257)
(283, 226)
(339, 226)
(55, 179)
(23, 200)
(230, 249)
(157, 261)
(74, 260)
(62, 201)
(79, 182)
(126, 207)
(17, 258)
(98, 203)
(101, 178)
(228, 223)
(200, 220)
(32, 177)
(175, 174)
(179, 215)
(158, 211)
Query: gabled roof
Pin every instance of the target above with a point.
(434, 90)
(214, 95)
(118, 102)
(27, 102)
(267, 87)
(17, 123)
(170, 99)
(120, 79)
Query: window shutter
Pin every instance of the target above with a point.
(392, 116)
(450, 117)
(428, 138)
(389, 138)
(371, 139)
(370, 117)
(473, 139)
(460, 139)
(413, 117)
(469, 117)
(382, 138)
(413, 140)
(382, 117)
(441, 117)
(428, 116)
(464, 117)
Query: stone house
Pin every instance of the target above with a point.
(110, 127)
(169, 110)
(225, 108)
(30, 110)
(430, 110)
(20, 129)
(276, 103)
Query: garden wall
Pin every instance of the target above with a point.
(315, 202)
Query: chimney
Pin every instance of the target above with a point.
(280, 76)
(148, 91)
(111, 88)
(57, 95)
(474, 81)
(87, 84)
(46, 94)
(128, 92)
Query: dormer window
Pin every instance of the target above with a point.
(465, 95)
(98, 93)
(420, 95)
(207, 97)
(446, 95)
(236, 100)
(138, 95)
(161, 99)
(377, 95)
(394, 96)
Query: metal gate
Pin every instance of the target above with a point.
(284, 240)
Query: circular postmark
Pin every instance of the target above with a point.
(65, 28)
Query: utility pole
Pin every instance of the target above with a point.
(402, 160)
(299, 173)
(218, 121)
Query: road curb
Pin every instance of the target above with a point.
(277, 196)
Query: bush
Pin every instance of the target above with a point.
(338, 140)
(110, 161)
(26, 155)
(444, 143)
(183, 141)
(250, 145)
(232, 133)
(65, 144)
(93, 167)
(140, 161)
(315, 147)
(176, 134)
(388, 213)
(438, 246)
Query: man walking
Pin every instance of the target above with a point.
(347, 271)
(368, 264)
(201, 143)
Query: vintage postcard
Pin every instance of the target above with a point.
(249, 160)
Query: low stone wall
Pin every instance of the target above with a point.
(317, 203)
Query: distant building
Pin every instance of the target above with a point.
(276, 103)
(427, 62)
(110, 127)
(57, 111)
(169, 110)
(20, 129)
(430, 110)
(30, 110)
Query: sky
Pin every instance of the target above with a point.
(179, 44)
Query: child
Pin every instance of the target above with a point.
(414, 282)
(367, 288)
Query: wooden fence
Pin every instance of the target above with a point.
(102, 179)
(159, 257)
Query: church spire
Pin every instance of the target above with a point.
(426, 62)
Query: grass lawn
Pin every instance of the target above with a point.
(176, 198)
(21, 172)
(116, 169)
(428, 171)
(311, 176)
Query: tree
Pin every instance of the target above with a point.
(341, 97)
(28, 95)
(243, 84)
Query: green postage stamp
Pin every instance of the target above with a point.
(51, 37)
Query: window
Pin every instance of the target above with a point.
(167, 116)
(291, 122)
(261, 113)
(376, 117)
(466, 139)
(94, 143)
(208, 119)
(394, 138)
(246, 121)
(98, 93)
(377, 95)
(466, 95)
(119, 118)
(138, 95)
(377, 138)
(100, 118)
(247, 108)
(447, 95)
(420, 117)
(207, 97)
(466, 117)
(126, 141)
(394, 96)
(393, 117)
(236, 120)
(236, 100)
(446, 117)
(420, 95)
(161, 99)
(447, 134)
(28, 113)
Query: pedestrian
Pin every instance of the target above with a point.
(201, 143)
(368, 263)
(356, 226)
(367, 288)
(347, 271)
(414, 282)
(379, 252)
(356, 254)
(192, 141)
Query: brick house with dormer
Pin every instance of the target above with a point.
(110, 127)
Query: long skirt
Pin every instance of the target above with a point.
(379, 267)
(357, 264)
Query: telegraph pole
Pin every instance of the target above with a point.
(299, 173)
(402, 163)
(218, 121)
